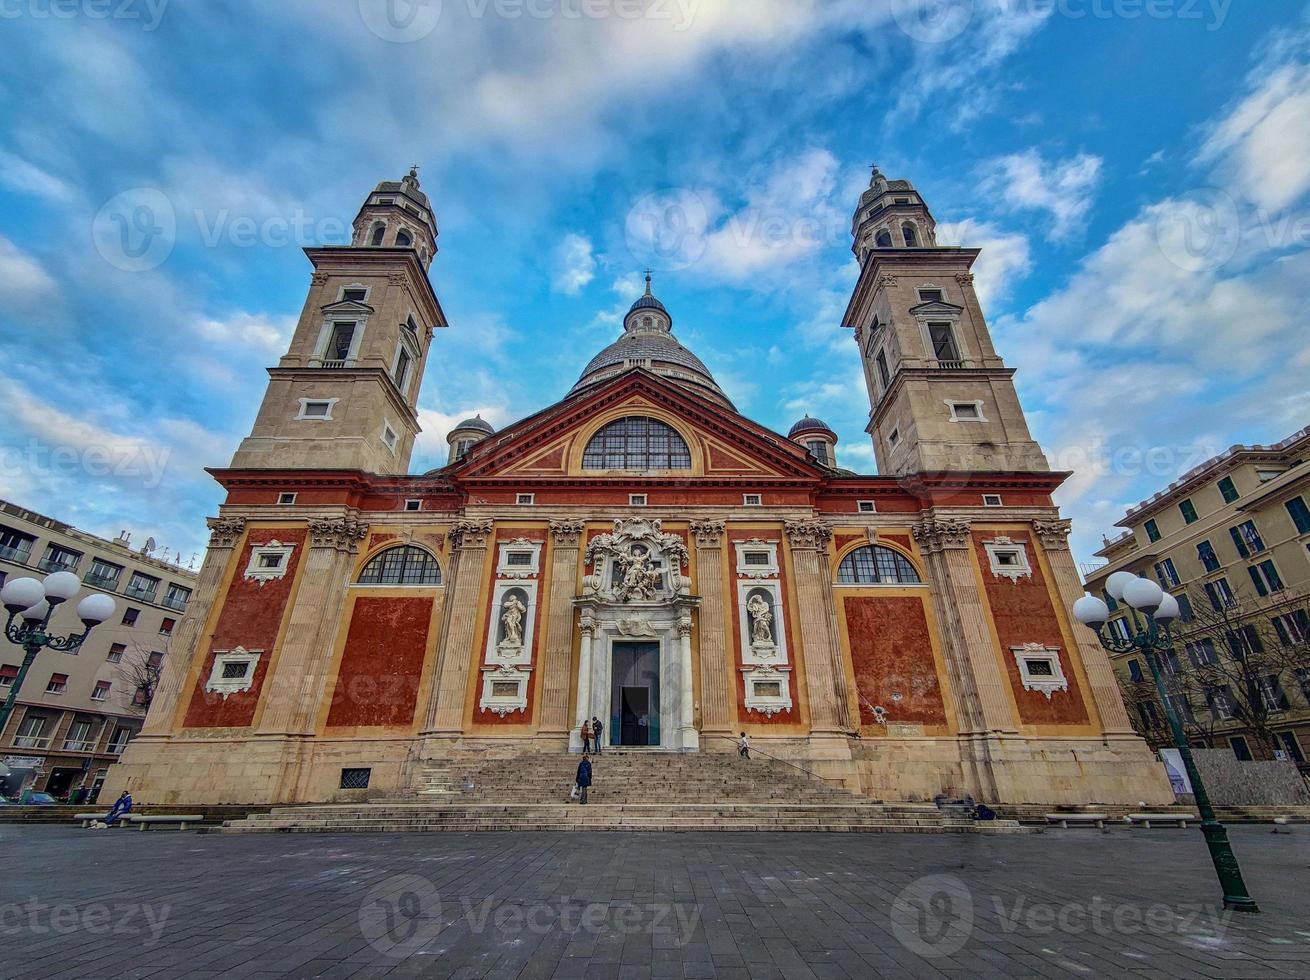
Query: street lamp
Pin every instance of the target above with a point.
(1159, 609)
(30, 604)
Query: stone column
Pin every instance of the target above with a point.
(716, 667)
(557, 653)
(469, 539)
(224, 533)
(825, 675)
(582, 712)
(1054, 537)
(688, 739)
(981, 688)
(293, 692)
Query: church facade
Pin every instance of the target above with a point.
(638, 553)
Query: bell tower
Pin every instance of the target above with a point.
(941, 397)
(345, 395)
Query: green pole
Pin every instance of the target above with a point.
(31, 647)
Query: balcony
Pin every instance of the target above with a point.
(20, 555)
(173, 602)
(31, 741)
(949, 365)
(95, 581)
(73, 745)
(137, 592)
(116, 748)
(333, 364)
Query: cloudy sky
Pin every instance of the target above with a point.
(1136, 174)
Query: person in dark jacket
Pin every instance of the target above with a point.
(119, 810)
(585, 730)
(597, 730)
(584, 776)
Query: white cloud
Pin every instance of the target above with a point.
(1005, 257)
(575, 264)
(1061, 189)
(19, 175)
(437, 425)
(26, 281)
(260, 332)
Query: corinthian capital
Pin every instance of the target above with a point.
(567, 533)
(941, 534)
(1054, 534)
(224, 531)
(470, 534)
(808, 534)
(342, 533)
(708, 534)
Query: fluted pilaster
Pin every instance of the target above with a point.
(716, 669)
(557, 657)
(470, 540)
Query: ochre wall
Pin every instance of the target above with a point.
(381, 668)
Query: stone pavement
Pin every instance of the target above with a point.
(574, 905)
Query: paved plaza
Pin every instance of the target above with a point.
(546, 905)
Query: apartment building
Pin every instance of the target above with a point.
(76, 712)
(1230, 539)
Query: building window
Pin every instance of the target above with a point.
(1293, 627)
(883, 239)
(1008, 559)
(1119, 629)
(130, 615)
(178, 596)
(413, 505)
(1299, 513)
(1166, 574)
(1266, 475)
(752, 500)
(1271, 693)
(57, 685)
(992, 500)
(818, 449)
(966, 411)
(286, 499)
(1228, 489)
(637, 443)
(60, 559)
(1185, 612)
(1244, 641)
(31, 733)
(1264, 577)
(318, 410)
(403, 239)
(884, 375)
(930, 296)
(355, 778)
(354, 294)
(942, 337)
(15, 545)
(757, 558)
(269, 561)
(1202, 652)
(103, 574)
(118, 741)
(142, 586)
(1040, 669)
(338, 348)
(1149, 712)
(519, 559)
(1110, 602)
(389, 436)
(1205, 552)
(403, 362)
(233, 671)
(116, 651)
(1188, 510)
(1219, 699)
(866, 506)
(1135, 672)
(378, 232)
(166, 626)
(908, 233)
(1152, 530)
(403, 565)
(463, 446)
(1170, 664)
(1240, 749)
(894, 438)
(1247, 539)
(101, 691)
(526, 499)
(876, 565)
(637, 500)
(1220, 594)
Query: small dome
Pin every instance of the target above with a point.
(810, 424)
(477, 424)
(648, 303)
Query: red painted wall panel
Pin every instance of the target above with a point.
(251, 617)
(1023, 613)
(891, 652)
(382, 665)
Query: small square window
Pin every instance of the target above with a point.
(757, 558)
(521, 559)
(116, 651)
(389, 436)
(166, 627)
(354, 295)
(1228, 489)
(526, 499)
(768, 689)
(101, 691)
(413, 505)
(930, 296)
(316, 410)
(966, 412)
(636, 500)
(130, 615)
(752, 500)
(504, 689)
(235, 669)
(1188, 510)
(894, 438)
(1152, 530)
(1007, 559)
(355, 778)
(270, 560)
(286, 499)
(992, 500)
(58, 684)
(866, 507)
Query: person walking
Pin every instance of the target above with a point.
(585, 730)
(583, 779)
(744, 746)
(597, 730)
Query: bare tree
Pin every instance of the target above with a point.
(140, 669)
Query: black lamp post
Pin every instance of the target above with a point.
(30, 604)
(1158, 608)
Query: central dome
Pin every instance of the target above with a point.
(648, 342)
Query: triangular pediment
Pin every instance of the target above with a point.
(722, 444)
(936, 308)
(348, 307)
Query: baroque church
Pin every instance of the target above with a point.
(640, 553)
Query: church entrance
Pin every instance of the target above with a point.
(635, 695)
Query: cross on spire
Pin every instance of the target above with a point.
(648, 282)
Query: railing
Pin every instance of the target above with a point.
(16, 554)
(173, 602)
(101, 581)
(785, 762)
(55, 565)
(116, 748)
(71, 745)
(949, 365)
(332, 364)
(136, 592)
(31, 741)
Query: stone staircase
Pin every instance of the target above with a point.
(631, 791)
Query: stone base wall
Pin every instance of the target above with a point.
(1231, 781)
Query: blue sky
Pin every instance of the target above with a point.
(1135, 171)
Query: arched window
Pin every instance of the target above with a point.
(378, 232)
(404, 565)
(403, 240)
(911, 239)
(636, 443)
(884, 239)
(874, 564)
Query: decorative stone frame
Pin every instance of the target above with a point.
(767, 570)
(256, 572)
(1047, 684)
(519, 545)
(503, 664)
(390, 437)
(764, 663)
(218, 684)
(999, 547)
(953, 403)
(952, 319)
(302, 417)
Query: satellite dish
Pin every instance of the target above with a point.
(150, 546)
